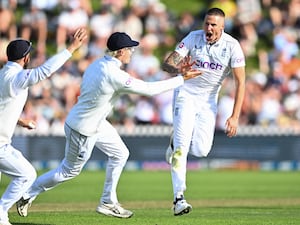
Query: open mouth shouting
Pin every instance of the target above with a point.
(209, 37)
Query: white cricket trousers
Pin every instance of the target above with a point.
(22, 175)
(194, 119)
(78, 150)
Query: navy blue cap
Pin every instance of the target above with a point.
(18, 49)
(119, 40)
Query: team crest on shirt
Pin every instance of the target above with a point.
(223, 54)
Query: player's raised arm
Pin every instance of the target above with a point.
(78, 38)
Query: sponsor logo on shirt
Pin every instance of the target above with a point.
(239, 60)
(128, 82)
(208, 65)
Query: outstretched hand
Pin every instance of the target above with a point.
(77, 40)
(231, 126)
(186, 68)
(186, 64)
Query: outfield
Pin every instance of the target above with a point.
(218, 198)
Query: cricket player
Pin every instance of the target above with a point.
(218, 55)
(86, 125)
(15, 80)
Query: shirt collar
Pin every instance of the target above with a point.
(114, 60)
(14, 64)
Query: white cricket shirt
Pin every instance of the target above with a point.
(14, 83)
(216, 60)
(102, 84)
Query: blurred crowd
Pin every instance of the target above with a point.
(268, 30)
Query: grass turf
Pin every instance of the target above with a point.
(218, 198)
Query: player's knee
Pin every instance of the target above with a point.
(121, 158)
(124, 158)
(67, 173)
(31, 175)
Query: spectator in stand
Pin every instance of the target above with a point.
(293, 18)
(285, 43)
(248, 16)
(290, 68)
(252, 104)
(141, 8)
(70, 19)
(163, 104)
(106, 20)
(230, 9)
(145, 111)
(265, 29)
(144, 64)
(271, 107)
(158, 22)
(46, 5)
(225, 105)
(130, 23)
(34, 26)
(8, 28)
(291, 111)
(116, 7)
(184, 25)
(66, 87)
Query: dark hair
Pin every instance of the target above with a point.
(215, 12)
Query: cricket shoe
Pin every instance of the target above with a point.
(115, 210)
(22, 206)
(181, 207)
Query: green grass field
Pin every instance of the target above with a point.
(218, 198)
